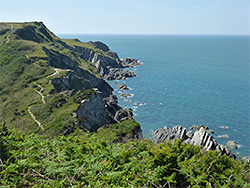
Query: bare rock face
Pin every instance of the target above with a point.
(123, 114)
(117, 74)
(109, 67)
(129, 62)
(165, 133)
(199, 138)
(97, 111)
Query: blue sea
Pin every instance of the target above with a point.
(187, 80)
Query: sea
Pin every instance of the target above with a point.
(186, 80)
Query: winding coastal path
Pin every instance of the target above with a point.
(43, 101)
(7, 39)
(40, 92)
(57, 71)
(34, 118)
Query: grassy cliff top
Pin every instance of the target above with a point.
(28, 53)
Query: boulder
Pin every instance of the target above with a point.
(224, 136)
(233, 144)
(125, 95)
(123, 87)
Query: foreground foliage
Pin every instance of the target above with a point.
(88, 161)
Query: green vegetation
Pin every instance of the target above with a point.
(109, 157)
(24, 65)
(90, 160)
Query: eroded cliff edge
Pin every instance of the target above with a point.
(55, 85)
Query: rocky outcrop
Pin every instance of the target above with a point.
(199, 138)
(110, 67)
(117, 74)
(123, 87)
(125, 95)
(97, 111)
(77, 77)
(123, 114)
(94, 113)
(101, 108)
(129, 62)
(233, 144)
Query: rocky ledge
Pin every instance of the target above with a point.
(127, 62)
(198, 137)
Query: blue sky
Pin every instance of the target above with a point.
(230, 17)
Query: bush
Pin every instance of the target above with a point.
(85, 160)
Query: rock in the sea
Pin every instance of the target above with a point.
(224, 127)
(197, 127)
(200, 138)
(247, 159)
(141, 104)
(233, 144)
(125, 95)
(224, 136)
(211, 131)
(123, 87)
(129, 62)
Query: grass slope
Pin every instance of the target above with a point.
(24, 67)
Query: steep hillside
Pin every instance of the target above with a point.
(49, 85)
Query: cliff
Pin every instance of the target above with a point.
(51, 85)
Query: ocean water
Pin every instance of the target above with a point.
(187, 80)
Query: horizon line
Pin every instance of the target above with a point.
(153, 34)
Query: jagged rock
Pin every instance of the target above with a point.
(77, 78)
(123, 114)
(211, 131)
(129, 62)
(165, 133)
(200, 138)
(197, 127)
(125, 95)
(233, 144)
(109, 67)
(123, 87)
(94, 113)
(118, 74)
(247, 159)
(190, 134)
